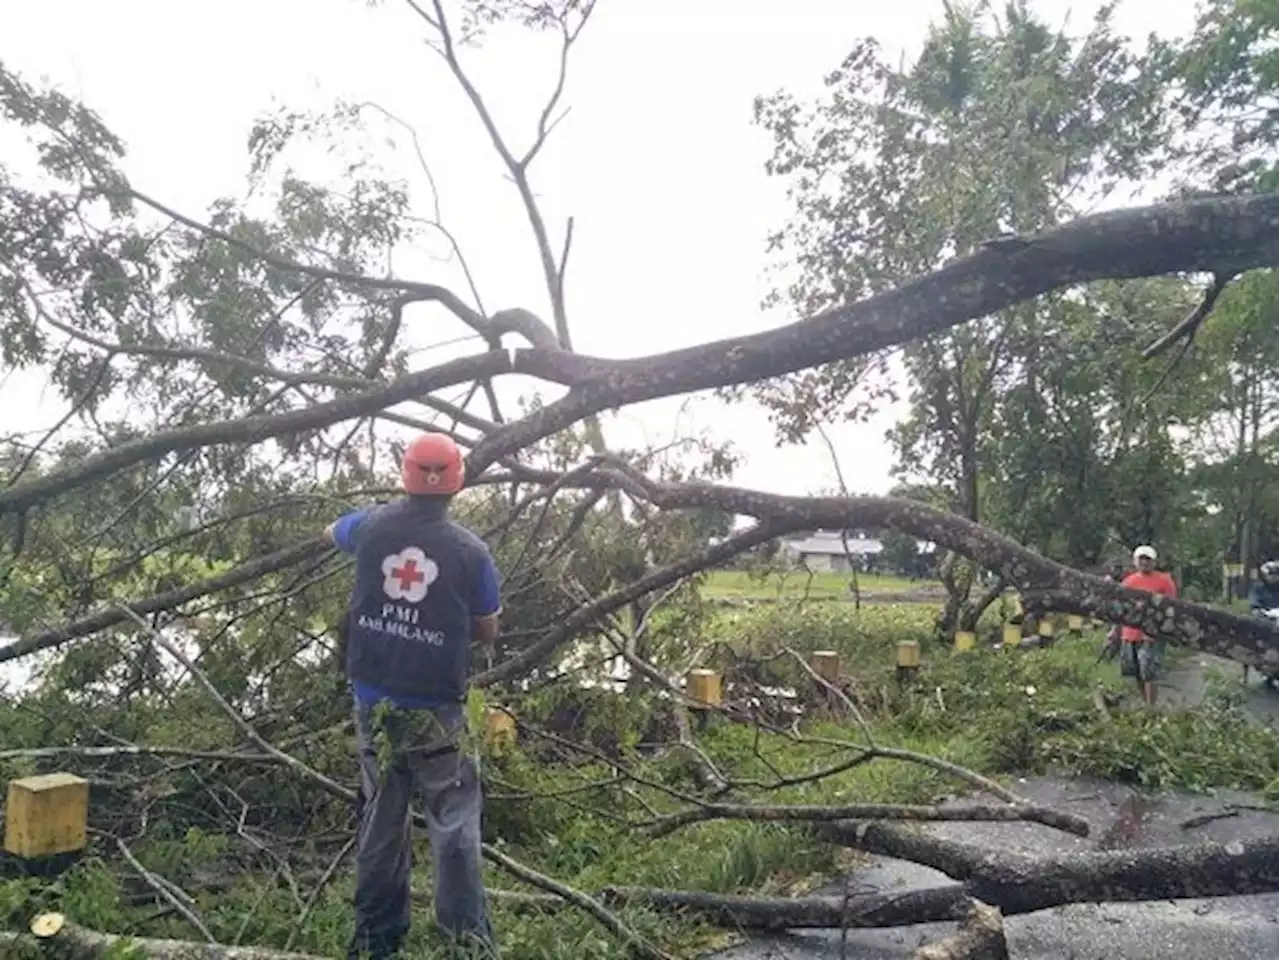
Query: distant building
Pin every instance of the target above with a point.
(823, 551)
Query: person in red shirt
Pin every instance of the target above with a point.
(1140, 655)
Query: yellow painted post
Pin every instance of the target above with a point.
(46, 815)
(500, 727)
(908, 659)
(966, 640)
(1075, 622)
(1012, 634)
(704, 686)
(826, 664)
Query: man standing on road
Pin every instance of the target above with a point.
(425, 587)
(1140, 655)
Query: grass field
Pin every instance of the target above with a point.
(794, 584)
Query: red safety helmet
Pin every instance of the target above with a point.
(432, 466)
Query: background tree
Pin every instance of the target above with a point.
(1001, 126)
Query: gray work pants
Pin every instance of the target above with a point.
(447, 785)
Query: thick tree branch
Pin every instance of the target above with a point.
(1043, 583)
(1234, 233)
(1015, 885)
(1018, 883)
(1221, 235)
(250, 429)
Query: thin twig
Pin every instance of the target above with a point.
(319, 887)
(166, 890)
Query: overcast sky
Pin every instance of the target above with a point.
(658, 161)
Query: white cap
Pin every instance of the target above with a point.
(1146, 550)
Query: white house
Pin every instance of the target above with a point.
(823, 551)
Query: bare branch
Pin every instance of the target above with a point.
(1190, 324)
(517, 167)
(178, 900)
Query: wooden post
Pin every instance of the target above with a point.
(966, 640)
(908, 659)
(46, 815)
(826, 664)
(1044, 629)
(1012, 634)
(704, 686)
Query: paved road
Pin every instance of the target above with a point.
(1185, 685)
(1226, 928)
(1231, 928)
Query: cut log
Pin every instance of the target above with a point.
(980, 937)
(53, 935)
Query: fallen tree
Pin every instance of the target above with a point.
(236, 369)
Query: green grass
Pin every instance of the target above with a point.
(1003, 713)
(797, 584)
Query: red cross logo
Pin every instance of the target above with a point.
(408, 574)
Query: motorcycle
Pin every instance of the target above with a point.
(1272, 615)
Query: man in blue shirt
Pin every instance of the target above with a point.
(425, 588)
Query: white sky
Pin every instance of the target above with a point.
(658, 162)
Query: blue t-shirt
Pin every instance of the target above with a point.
(485, 599)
